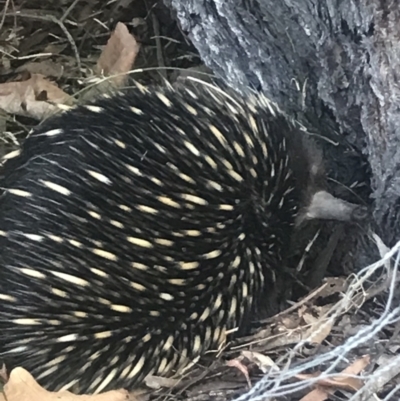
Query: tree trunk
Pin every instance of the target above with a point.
(333, 64)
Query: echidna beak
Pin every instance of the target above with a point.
(325, 206)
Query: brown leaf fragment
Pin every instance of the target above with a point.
(54, 93)
(358, 365)
(316, 395)
(23, 387)
(343, 383)
(327, 386)
(264, 363)
(235, 363)
(318, 332)
(319, 326)
(118, 55)
(32, 97)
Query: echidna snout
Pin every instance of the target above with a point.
(136, 230)
(324, 205)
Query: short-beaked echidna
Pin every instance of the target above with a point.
(136, 230)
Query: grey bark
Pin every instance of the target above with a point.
(334, 64)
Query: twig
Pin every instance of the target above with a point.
(4, 14)
(53, 19)
(160, 58)
(69, 9)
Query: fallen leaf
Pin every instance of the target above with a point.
(320, 327)
(344, 383)
(316, 395)
(23, 387)
(235, 363)
(118, 55)
(53, 92)
(327, 386)
(262, 361)
(33, 97)
(358, 365)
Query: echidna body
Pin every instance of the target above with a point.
(135, 231)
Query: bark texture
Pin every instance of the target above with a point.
(333, 64)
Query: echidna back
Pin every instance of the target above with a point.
(135, 231)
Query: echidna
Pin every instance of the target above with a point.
(136, 230)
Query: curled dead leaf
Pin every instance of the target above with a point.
(21, 386)
(236, 363)
(341, 381)
(35, 97)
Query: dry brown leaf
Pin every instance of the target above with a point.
(328, 386)
(53, 92)
(235, 363)
(306, 376)
(344, 383)
(316, 395)
(22, 98)
(23, 387)
(358, 365)
(118, 55)
(320, 326)
(262, 361)
(354, 369)
(320, 331)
